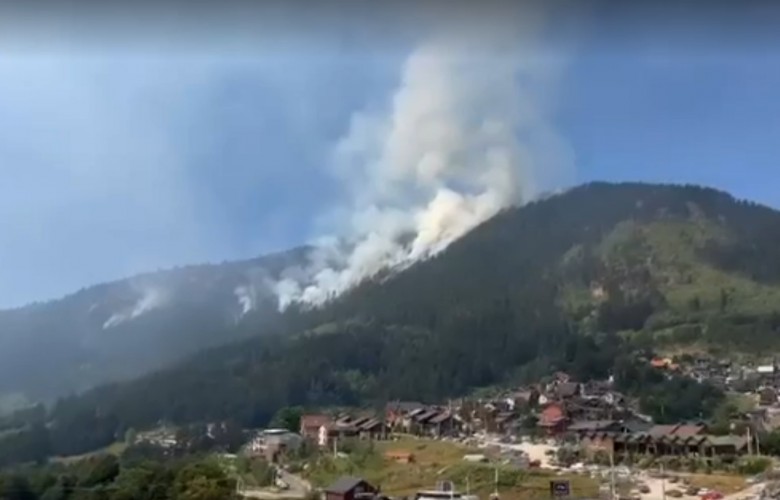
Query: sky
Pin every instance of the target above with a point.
(134, 139)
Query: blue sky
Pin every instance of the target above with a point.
(121, 153)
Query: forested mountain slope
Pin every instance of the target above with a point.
(126, 328)
(688, 262)
(578, 281)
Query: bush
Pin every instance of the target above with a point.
(567, 456)
(694, 465)
(753, 466)
(646, 462)
(601, 457)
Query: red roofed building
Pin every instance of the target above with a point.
(553, 419)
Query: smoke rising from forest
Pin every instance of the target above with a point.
(466, 134)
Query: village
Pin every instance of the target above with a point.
(565, 426)
(558, 425)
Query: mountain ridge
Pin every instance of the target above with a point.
(117, 330)
(580, 282)
(563, 251)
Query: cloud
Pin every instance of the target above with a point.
(466, 134)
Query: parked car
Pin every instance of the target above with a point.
(674, 494)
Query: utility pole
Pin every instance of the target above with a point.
(495, 496)
(663, 481)
(612, 476)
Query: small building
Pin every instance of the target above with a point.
(581, 428)
(553, 419)
(350, 488)
(310, 426)
(767, 396)
(595, 442)
(373, 429)
(566, 390)
(396, 412)
(335, 432)
(272, 443)
(441, 425)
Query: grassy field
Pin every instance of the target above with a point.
(435, 461)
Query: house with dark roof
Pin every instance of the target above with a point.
(350, 488)
(442, 424)
(397, 413)
(373, 429)
(336, 432)
(582, 427)
(680, 440)
(566, 390)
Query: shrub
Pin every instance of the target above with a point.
(753, 466)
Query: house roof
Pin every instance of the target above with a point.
(370, 424)
(344, 484)
(425, 416)
(688, 430)
(314, 421)
(591, 425)
(523, 395)
(594, 435)
(657, 431)
(635, 425)
(358, 422)
(418, 411)
(567, 389)
(340, 427)
(736, 441)
(442, 417)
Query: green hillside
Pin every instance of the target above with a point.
(580, 281)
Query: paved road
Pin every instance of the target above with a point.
(299, 488)
(295, 482)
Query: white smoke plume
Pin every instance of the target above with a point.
(256, 289)
(465, 136)
(245, 294)
(150, 298)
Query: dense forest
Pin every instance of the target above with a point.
(132, 477)
(127, 328)
(583, 282)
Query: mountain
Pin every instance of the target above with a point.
(671, 262)
(580, 281)
(126, 328)
(583, 281)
